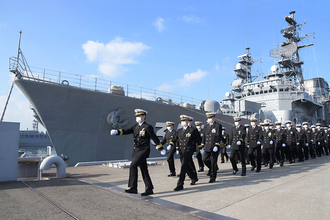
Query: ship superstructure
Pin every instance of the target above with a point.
(283, 94)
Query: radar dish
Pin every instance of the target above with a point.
(274, 68)
(237, 82)
(227, 94)
(286, 51)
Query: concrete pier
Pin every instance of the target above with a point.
(295, 191)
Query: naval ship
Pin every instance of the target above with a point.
(34, 138)
(283, 94)
(79, 111)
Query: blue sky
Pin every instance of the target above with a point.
(183, 47)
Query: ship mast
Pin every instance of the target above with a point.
(290, 63)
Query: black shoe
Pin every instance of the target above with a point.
(281, 164)
(212, 181)
(147, 192)
(257, 171)
(271, 166)
(201, 169)
(243, 174)
(178, 188)
(235, 171)
(209, 173)
(227, 159)
(178, 175)
(193, 182)
(171, 174)
(131, 190)
(266, 164)
(252, 168)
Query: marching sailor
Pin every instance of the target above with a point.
(142, 133)
(169, 139)
(187, 138)
(237, 145)
(211, 142)
(198, 153)
(255, 136)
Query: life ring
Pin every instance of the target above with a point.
(65, 82)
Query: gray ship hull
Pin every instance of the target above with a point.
(76, 119)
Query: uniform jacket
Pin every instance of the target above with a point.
(142, 135)
(201, 132)
(237, 134)
(308, 134)
(212, 136)
(169, 138)
(291, 136)
(225, 140)
(187, 140)
(254, 135)
(269, 136)
(280, 136)
(301, 137)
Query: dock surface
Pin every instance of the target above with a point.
(294, 191)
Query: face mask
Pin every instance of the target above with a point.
(169, 128)
(184, 123)
(288, 125)
(305, 126)
(236, 123)
(209, 120)
(223, 132)
(266, 128)
(313, 129)
(198, 127)
(253, 124)
(298, 129)
(318, 127)
(278, 127)
(138, 119)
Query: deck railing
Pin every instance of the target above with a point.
(101, 85)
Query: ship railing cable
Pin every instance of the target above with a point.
(101, 85)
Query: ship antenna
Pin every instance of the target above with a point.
(16, 72)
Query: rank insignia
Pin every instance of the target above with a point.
(269, 134)
(142, 132)
(214, 130)
(291, 132)
(188, 135)
(239, 132)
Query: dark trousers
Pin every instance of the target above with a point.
(210, 160)
(300, 150)
(279, 152)
(199, 158)
(318, 148)
(312, 149)
(306, 151)
(187, 166)
(133, 173)
(326, 148)
(233, 161)
(291, 149)
(255, 153)
(170, 160)
(223, 151)
(269, 156)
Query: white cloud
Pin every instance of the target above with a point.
(159, 24)
(217, 67)
(190, 78)
(192, 19)
(165, 87)
(114, 55)
(227, 60)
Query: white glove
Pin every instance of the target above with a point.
(312, 140)
(283, 145)
(177, 152)
(239, 143)
(215, 149)
(262, 146)
(228, 146)
(163, 152)
(248, 146)
(298, 143)
(325, 141)
(258, 142)
(271, 142)
(318, 143)
(113, 132)
(169, 147)
(202, 151)
(306, 144)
